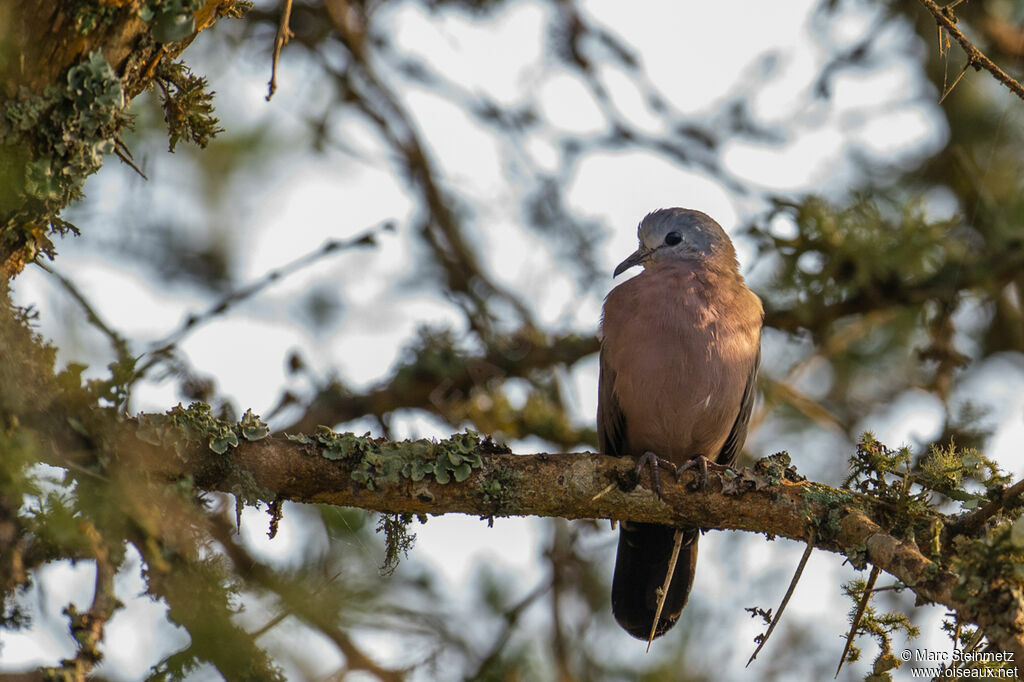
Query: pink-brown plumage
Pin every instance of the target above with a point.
(680, 351)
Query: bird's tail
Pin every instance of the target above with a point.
(645, 550)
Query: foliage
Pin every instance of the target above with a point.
(188, 105)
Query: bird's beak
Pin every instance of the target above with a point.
(635, 258)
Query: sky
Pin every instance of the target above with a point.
(292, 208)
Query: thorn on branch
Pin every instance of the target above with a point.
(785, 600)
(858, 616)
(955, 81)
(608, 489)
(125, 154)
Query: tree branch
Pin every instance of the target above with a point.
(325, 623)
(439, 386)
(971, 523)
(284, 34)
(87, 628)
(945, 18)
(760, 500)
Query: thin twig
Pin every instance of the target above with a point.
(956, 633)
(511, 617)
(561, 557)
(963, 662)
(785, 599)
(442, 226)
(677, 545)
(975, 57)
(974, 520)
(284, 34)
(859, 615)
(284, 613)
(155, 62)
(976, 640)
(116, 340)
(366, 238)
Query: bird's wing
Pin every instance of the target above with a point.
(734, 443)
(611, 421)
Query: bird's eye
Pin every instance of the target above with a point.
(673, 238)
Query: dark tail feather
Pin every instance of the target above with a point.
(640, 566)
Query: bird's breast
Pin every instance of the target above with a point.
(682, 348)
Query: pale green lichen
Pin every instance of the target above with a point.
(170, 20)
(378, 460)
(766, 473)
(835, 502)
(96, 93)
(88, 15)
(496, 490)
(182, 427)
(242, 484)
(252, 427)
(774, 468)
(857, 555)
(55, 140)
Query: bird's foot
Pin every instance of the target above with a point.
(702, 464)
(649, 459)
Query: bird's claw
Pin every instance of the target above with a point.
(702, 464)
(649, 459)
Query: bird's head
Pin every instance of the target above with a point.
(680, 234)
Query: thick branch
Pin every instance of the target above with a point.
(586, 485)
